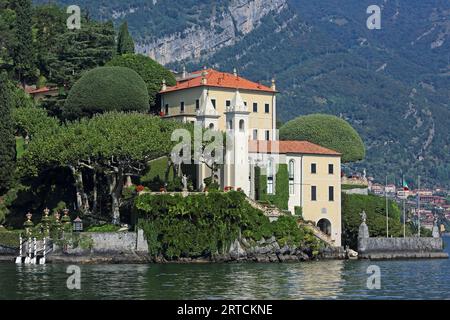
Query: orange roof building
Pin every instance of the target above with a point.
(247, 110)
(289, 147)
(214, 78)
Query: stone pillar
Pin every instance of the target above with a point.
(141, 242)
(363, 233)
(435, 231)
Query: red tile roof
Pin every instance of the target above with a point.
(40, 90)
(216, 78)
(300, 147)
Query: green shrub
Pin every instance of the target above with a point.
(298, 211)
(9, 238)
(106, 89)
(210, 184)
(328, 131)
(202, 225)
(151, 72)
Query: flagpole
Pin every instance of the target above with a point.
(418, 206)
(387, 210)
(404, 209)
(404, 218)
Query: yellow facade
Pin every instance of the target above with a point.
(261, 120)
(322, 207)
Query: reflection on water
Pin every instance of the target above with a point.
(415, 279)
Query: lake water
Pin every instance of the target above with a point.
(408, 279)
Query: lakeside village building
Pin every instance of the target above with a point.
(247, 110)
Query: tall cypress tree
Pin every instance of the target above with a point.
(7, 139)
(24, 54)
(125, 43)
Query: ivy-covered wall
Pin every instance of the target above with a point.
(206, 224)
(281, 197)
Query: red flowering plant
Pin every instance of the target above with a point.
(140, 188)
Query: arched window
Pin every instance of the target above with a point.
(230, 124)
(211, 126)
(241, 125)
(291, 176)
(270, 177)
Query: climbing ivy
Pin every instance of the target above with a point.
(281, 197)
(206, 224)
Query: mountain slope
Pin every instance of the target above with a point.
(392, 84)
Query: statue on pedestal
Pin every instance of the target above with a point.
(435, 232)
(185, 182)
(363, 231)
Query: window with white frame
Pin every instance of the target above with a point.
(270, 189)
(291, 176)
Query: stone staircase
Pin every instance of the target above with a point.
(274, 212)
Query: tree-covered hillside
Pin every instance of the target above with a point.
(392, 85)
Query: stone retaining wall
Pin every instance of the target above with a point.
(110, 243)
(361, 191)
(8, 251)
(410, 244)
(397, 248)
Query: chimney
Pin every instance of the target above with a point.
(204, 74)
(184, 73)
(235, 72)
(164, 87)
(273, 86)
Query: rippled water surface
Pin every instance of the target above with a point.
(409, 279)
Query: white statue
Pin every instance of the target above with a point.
(185, 182)
(363, 216)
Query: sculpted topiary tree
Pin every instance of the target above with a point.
(328, 131)
(106, 89)
(151, 71)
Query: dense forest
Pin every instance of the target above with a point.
(78, 145)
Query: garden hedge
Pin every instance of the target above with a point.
(328, 131)
(106, 89)
(151, 72)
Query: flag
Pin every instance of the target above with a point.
(405, 185)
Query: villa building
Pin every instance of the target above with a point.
(246, 111)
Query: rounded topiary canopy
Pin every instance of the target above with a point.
(328, 131)
(151, 71)
(106, 89)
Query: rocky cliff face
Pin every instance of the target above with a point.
(224, 29)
